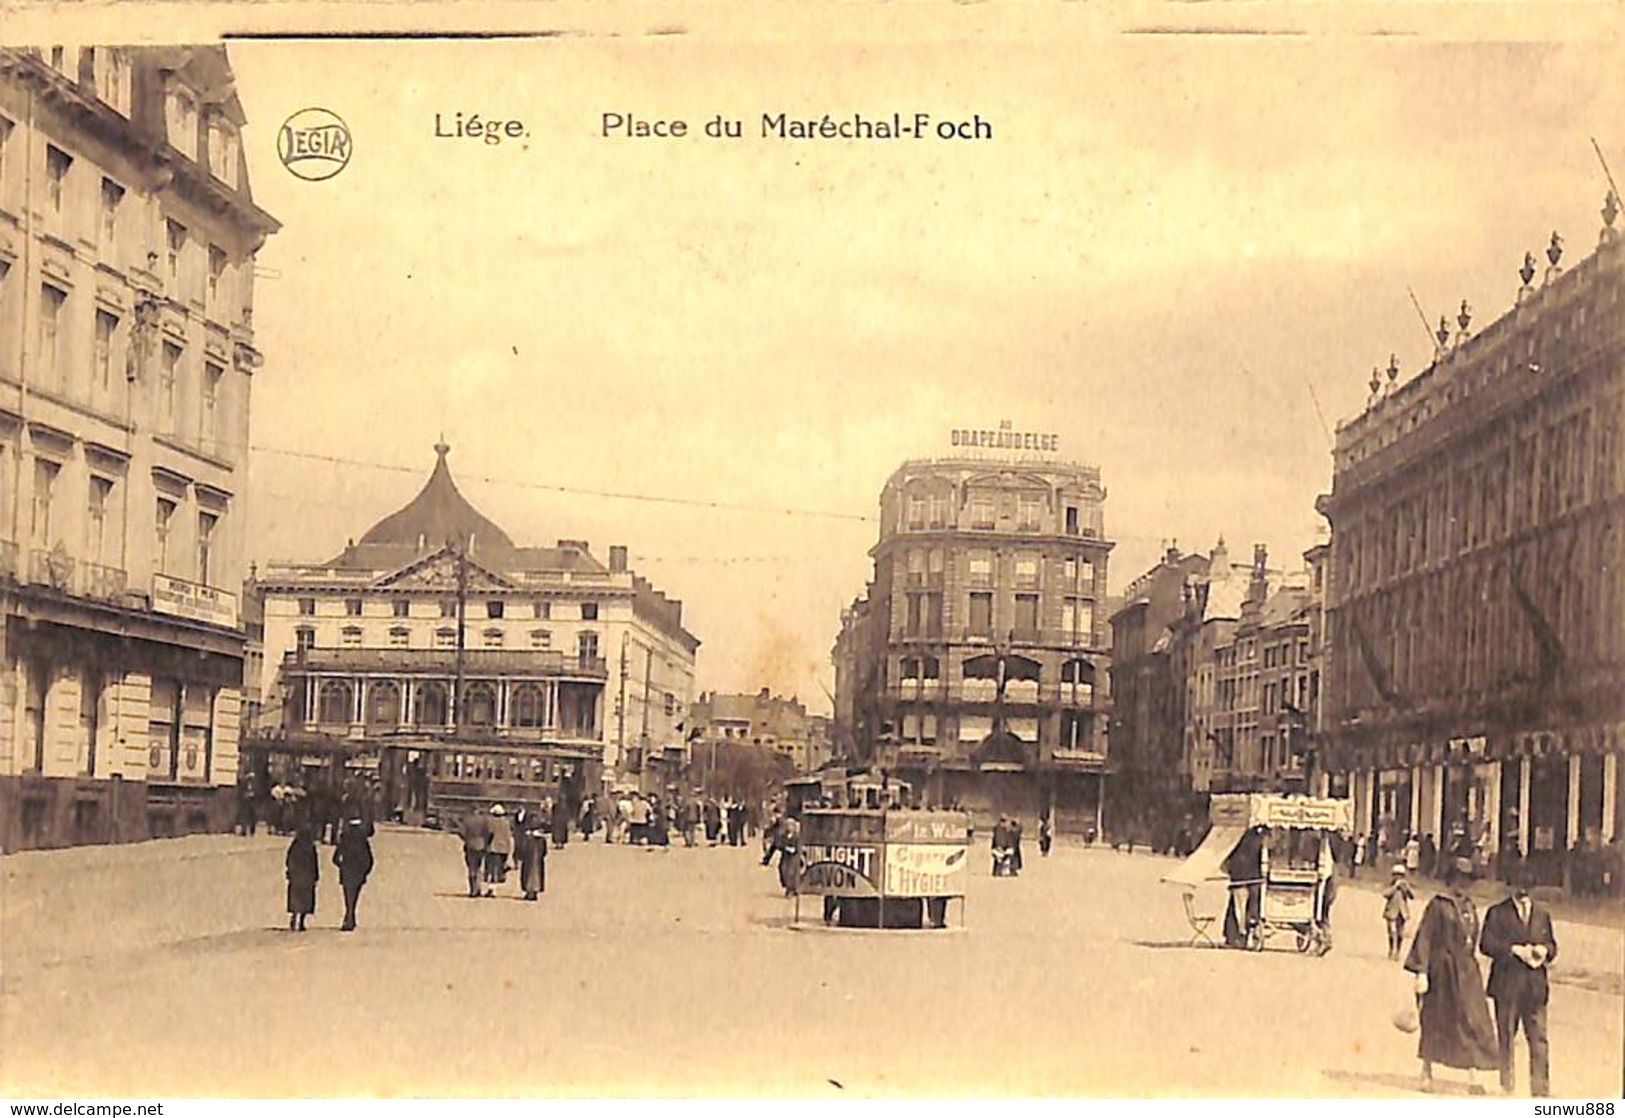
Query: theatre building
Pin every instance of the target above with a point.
(463, 669)
(976, 668)
(127, 243)
(1477, 657)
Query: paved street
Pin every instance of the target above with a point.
(162, 969)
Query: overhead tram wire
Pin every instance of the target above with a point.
(647, 498)
(573, 491)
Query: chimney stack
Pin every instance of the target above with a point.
(617, 559)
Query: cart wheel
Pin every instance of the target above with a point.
(1305, 941)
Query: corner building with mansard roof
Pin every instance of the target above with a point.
(128, 235)
(976, 667)
(1475, 683)
(465, 670)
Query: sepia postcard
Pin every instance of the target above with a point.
(806, 552)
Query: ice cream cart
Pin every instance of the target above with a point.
(1274, 852)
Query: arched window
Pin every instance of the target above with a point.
(351, 636)
(480, 704)
(1077, 682)
(400, 637)
(445, 638)
(493, 638)
(525, 705)
(384, 705)
(429, 704)
(336, 702)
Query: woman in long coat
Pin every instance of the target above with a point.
(303, 872)
(1456, 1027)
(533, 862)
(560, 822)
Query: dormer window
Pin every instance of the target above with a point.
(111, 69)
(180, 120)
(223, 150)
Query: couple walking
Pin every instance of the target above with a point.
(1457, 1030)
(489, 840)
(352, 856)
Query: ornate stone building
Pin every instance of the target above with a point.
(128, 235)
(1477, 680)
(468, 669)
(976, 668)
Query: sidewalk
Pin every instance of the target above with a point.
(1599, 912)
(58, 905)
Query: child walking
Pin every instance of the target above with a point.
(1396, 908)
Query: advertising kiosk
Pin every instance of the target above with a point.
(884, 867)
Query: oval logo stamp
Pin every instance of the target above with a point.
(314, 144)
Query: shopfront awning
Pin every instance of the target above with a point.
(1206, 862)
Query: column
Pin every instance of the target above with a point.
(1610, 794)
(1416, 801)
(1492, 807)
(408, 695)
(312, 685)
(1524, 773)
(502, 703)
(1436, 809)
(1100, 805)
(360, 703)
(1573, 830)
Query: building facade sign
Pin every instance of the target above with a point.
(193, 601)
(1004, 438)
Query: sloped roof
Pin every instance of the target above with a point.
(1224, 598)
(438, 514)
(1285, 605)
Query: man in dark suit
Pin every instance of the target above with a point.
(1518, 938)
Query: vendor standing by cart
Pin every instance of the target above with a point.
(1245, 868)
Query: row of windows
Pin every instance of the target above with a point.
(102, 377)
(103, 524)
(495, 608)
(1279, 655)
(1026, 568)
(111, 80)
(1535, 477)
(191, 268)
(923, 616)
(1026, 510)
(382, 703)
(352, 636)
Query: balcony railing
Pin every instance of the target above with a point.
(443, 661)
(106, 584)
(50, 568)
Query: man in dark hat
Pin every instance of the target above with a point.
(1520, 943)
(353, 857)
(476, 834)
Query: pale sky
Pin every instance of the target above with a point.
(1166, 245)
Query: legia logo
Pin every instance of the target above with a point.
(314, 144)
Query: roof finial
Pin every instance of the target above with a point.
(440, 448)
